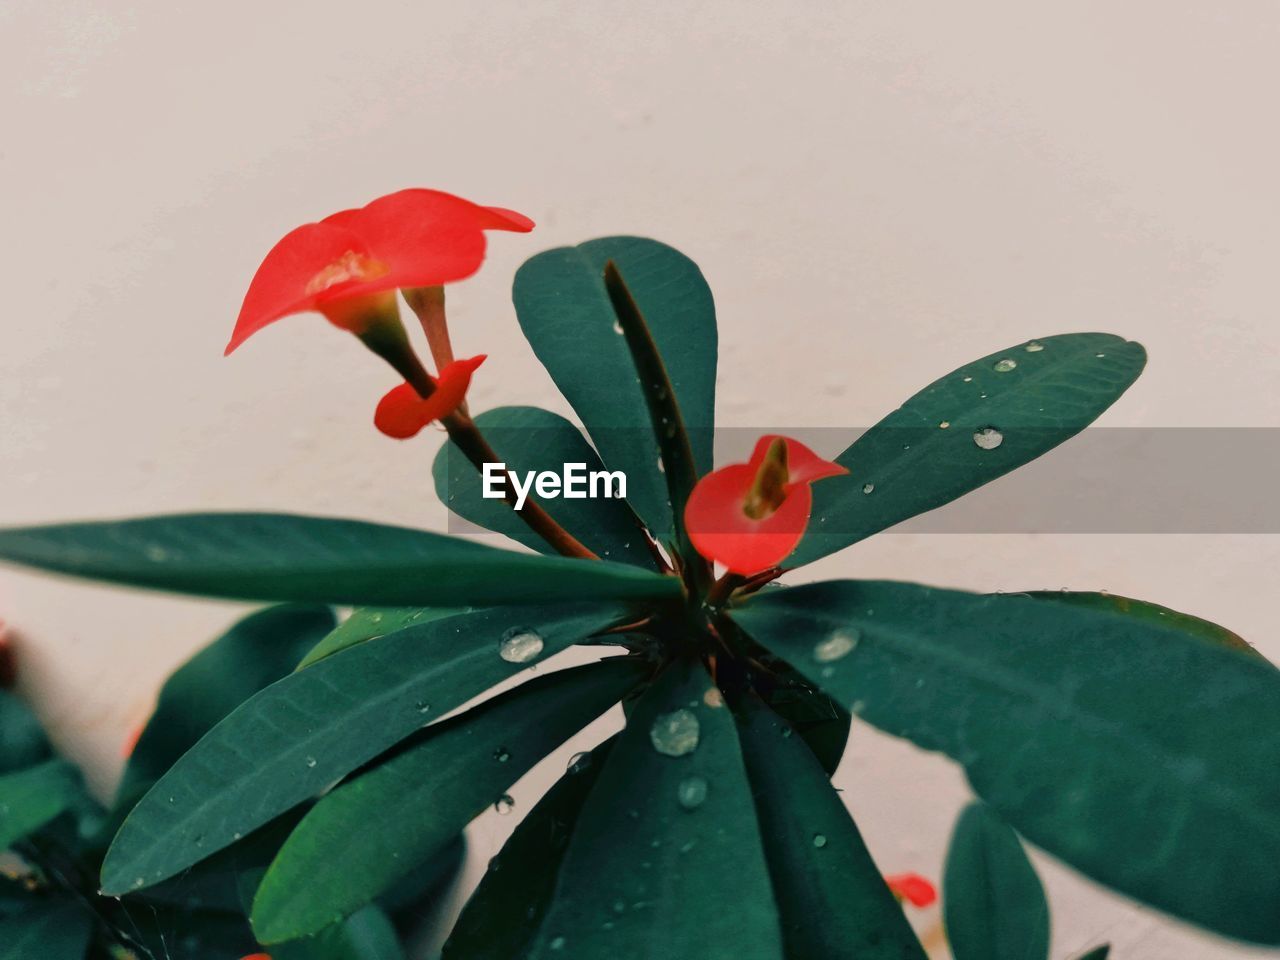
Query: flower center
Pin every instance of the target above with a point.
(348, 268)
(768, 490)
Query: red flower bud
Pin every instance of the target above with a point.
(348, 265)
(403, 412)
(913, 888)
(750, 516)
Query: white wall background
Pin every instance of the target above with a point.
(877, 192)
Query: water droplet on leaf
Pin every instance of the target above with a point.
(837, 645)
(675, 734)
(504, 805)
(868, 487)
(1034, 347)
(819, 840)
(520, 645)
(1005, 365)
(988, 438)
(692, 792)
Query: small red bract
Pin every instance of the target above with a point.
(348, 265)
(750, 516)
(131, 741)
(913, 888)
(402, 413)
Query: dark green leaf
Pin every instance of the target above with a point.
(22, 739)
(666, 859)
(821, 721)
(566, 315)
(507, 908)
(1140, 755)
(368, 623)
(833, 902)
(1097, 953)
(1151, 613)
(57, 932)
(31, 798)
(528, 438)
(375, 828)
(301, 734)
(914, 464)
(994, 902)
(284, 557)
(367, 935)
(255, 652)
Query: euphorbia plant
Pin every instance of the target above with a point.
(1134, 743)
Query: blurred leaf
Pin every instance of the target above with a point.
(1097, 953)
(994, 902)
(565, 313)
(373, 829)
(665, 859)
(368, 623)
(915, 464)
(1140, 755)
(294, 739)
(833, 902)
(22, 739)
(263, 556)
(31, 798)
(56, 932)
(506, 910)
(255, 652)
(1151, 613)
(528, 438)
(367, 935)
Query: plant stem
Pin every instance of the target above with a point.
(428, 304)
(664, 413)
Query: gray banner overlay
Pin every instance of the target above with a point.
(1146, 480)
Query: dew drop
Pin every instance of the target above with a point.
(691, 792)
(819, 840)
(422, 706)
(1005, 365)
(834, 647)
(504, 805)
(520, 645)
(713, 697)
(868, 487)
(675, 734)
(579, 762)
(944, 425)
(1035, 346)
(617, 327)
(502, 754)
(988, 438)
(1099, 355)
(557, 943)
(311, 763)
(157, 554)
(968, 379)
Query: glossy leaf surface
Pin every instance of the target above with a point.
(1165, 743)
(301, 734)
(565, 313)
(263, 556)
(935, 447)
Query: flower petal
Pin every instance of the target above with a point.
(402, 413)
(913, 888)
(721, 530)
(284, 282)
(803, 465)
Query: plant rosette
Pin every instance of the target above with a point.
(1131, 742)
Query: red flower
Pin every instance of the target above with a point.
(348, 265)
(913, 888)
(402, 412)
(750, 516)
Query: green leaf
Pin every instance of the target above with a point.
(913, 464)
(566, 315)
(57, 932)
(369, 623)
(506, 910)
(651, 872)
(375, 828)
(994, 903)
(267, 556)
(255, 652)
(1140, 755)
(367, 935)
(528, 438)
(22, 739)
(298, 736)
(833, 902)
(821, 721)
(31, 798)
(1151, 613)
